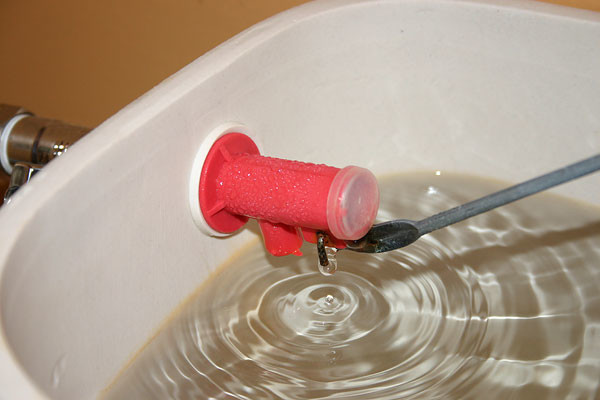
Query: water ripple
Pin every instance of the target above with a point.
(503, 305)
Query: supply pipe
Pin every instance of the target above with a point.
(31, 142)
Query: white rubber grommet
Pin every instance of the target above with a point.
(4, 141)
(194, 183)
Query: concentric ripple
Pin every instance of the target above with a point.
(505, 305)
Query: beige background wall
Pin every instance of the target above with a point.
(83, 60)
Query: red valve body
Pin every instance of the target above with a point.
(289, 192)
(285, 196)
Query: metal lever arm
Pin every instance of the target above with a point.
(392, 235)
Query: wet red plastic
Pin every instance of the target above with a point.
(238, 183)
(276, 190)
(214, 208)
(281, 239)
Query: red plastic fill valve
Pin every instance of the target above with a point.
(290, 199)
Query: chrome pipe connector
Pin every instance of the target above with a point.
(34, 140)
(31, 142)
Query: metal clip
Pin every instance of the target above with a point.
(21, 174)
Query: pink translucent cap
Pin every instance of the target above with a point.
(352, 203)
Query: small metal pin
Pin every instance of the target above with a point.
(322, 239)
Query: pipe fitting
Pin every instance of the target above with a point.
(27, 138)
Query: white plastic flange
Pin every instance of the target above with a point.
(211, 138)
(4, 160)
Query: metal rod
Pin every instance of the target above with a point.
(392, 235)
(508, 195)
(321, 252)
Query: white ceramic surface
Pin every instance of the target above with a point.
(101, 246)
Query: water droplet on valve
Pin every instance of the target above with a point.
(331, 266)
